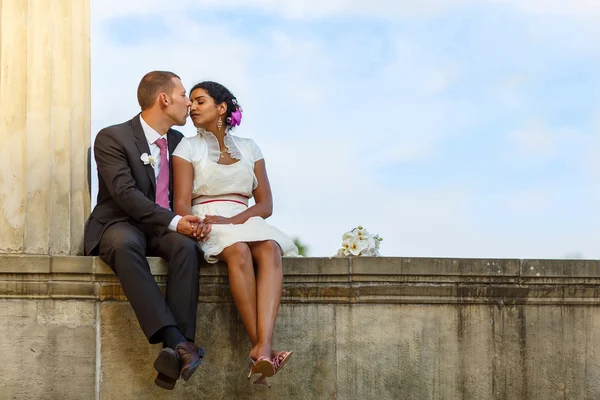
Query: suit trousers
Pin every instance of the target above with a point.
(124, 248)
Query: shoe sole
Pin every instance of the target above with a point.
(265, 368)
(164, 382)
(167, 364)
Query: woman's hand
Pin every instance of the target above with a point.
(201, 230)
(217, 219)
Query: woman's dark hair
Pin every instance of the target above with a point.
(220, 94)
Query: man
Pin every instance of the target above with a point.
(133, 219)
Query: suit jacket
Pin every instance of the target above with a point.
(127, 187)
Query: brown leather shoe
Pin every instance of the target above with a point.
(167, 365)
(190, 357)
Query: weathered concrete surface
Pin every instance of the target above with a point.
(379, 328)
(47, 349)
(308, 330)
(467, 352)
(45, 103)
(562, 352)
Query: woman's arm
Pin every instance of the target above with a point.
(262, 196)
(183, 178)
(183, 181)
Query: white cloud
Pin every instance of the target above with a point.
(508, 91)
(293, 9)
(387, 9)
(536, 142)
(583, 9)
(537, 200)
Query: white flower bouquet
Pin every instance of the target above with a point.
(359, 242)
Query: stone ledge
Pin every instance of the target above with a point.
(332, 280)
(560, 271)
(24, 264)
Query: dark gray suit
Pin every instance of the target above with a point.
(126, 225)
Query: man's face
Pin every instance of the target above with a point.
(179, 104)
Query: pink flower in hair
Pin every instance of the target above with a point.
(236, 117)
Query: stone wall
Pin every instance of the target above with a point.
(384, 328)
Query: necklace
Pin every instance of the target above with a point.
(223, 153)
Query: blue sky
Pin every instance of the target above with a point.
(452, 128)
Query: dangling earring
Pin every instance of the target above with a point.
(220, 124)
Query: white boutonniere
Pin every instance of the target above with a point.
(146, 159)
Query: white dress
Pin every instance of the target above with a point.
(222, 190)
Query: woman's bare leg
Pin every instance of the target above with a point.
(267, 256)
(243, 285)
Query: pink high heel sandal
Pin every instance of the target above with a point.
(280, 359)
(278, 362)
(263, 366)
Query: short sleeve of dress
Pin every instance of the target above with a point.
(184, 150)
(256, 153)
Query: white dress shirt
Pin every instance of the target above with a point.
(152, 136)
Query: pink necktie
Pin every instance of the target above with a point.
(162, 182)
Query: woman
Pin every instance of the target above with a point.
(215, 174)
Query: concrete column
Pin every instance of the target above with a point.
(44, 125)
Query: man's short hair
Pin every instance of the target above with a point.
(152, 84)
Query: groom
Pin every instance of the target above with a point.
(133, 219)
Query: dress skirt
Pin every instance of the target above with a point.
(255, 229)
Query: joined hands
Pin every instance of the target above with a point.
(194, 227)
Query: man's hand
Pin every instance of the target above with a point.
(192, 226)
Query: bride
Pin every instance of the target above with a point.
(215, 174)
